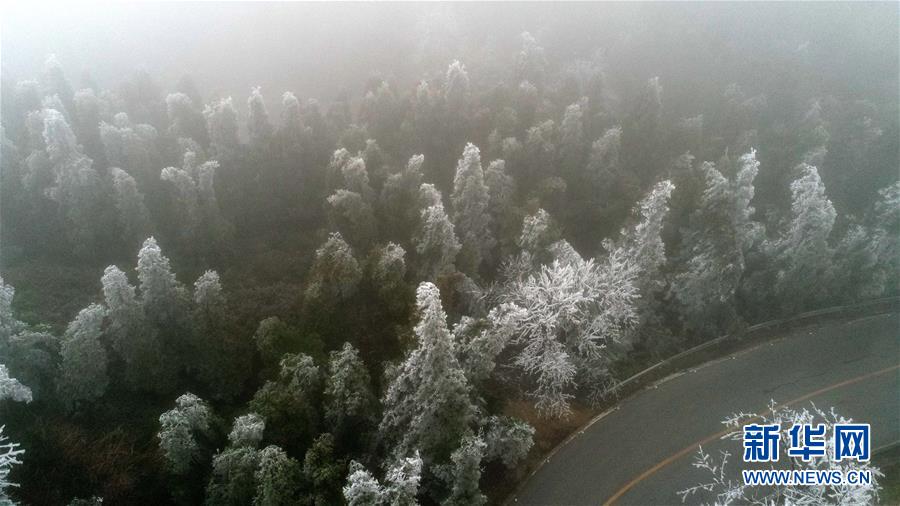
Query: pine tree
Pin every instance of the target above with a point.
(804, 254)
(233, 479)
(179, 430)
(466, 462)
(258, 125)
(323, 471)
(335, 274)
(222, 122)
(277, 478)
(133, 218)
(436, 243)
(162, 296)
(470, 200)
(83, 359)
(76, 185)
(712, 250)
(247, 430)
(132, 339)
(362, 489)
(427, 405)
(185, 121)
(353, 217)
(507, 439)
(643, 241)
(399, 196)
(11, 388)
(349, 400)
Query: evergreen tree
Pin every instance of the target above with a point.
(804, 255)
(277, 478)
(258, 125)
(335, 274)
(83, 359)
(132, 339)
(470, 203)
(323, 471)
(11, 388)
(466, 462)
(222, 122)
(134, 221)
(247, 430)
(436, 243)
(180, 428)
(427, 405)
(349, 400)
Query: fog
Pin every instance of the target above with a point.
(318, 49)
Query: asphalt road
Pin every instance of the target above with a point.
(641, 453)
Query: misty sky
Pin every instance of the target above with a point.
(317, 49)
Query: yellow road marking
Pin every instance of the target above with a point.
(649, 472)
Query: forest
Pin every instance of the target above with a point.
(392, 294)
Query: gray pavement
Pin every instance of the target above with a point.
(641, 453)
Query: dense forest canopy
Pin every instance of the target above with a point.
(306, 254)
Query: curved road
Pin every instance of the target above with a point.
(641, 452)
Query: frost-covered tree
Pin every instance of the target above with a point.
(222, 122)
(233, 479)
(13, 389)
(538, 233)
(83, 360)
(352, 216)
(507, 440)
(195, 196)
(571, 137)
(225, 361)
(722, 489)
(478, 350)
(335, 274)
(162, 295)
(258, 126)
(247, 430)
(131, 338)
(55, 83)
(288, 403)
(643, 242)
(470, 201)
(531, 60)
(401, 488)
(277, 478)
(179, 429)
(456, 88)
(804, 254)
(886, 240)
(131, 147)
(356, 177)
(398, 199)
(389, 269)
(76, 185)
(10, 455)
(132, 214)
(427, 406)
(466, 473)
(435, 241)
(323, 471)
(349, 399)
(713, 248)
(603, 164)
(185, 121)
(291, 117)
(362, 488)
(573, 310)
